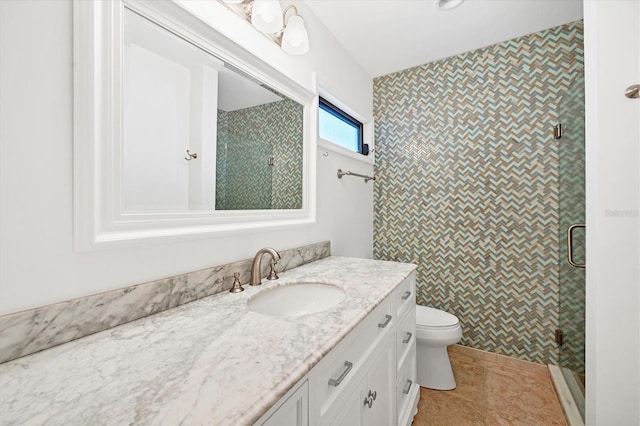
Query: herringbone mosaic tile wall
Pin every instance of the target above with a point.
(467, 185)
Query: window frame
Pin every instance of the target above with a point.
(337, 112)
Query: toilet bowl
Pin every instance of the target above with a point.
(435, 330)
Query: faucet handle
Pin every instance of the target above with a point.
(272, 273)
(237, 287)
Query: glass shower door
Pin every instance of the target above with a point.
(571, 171)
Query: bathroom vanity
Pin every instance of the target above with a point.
(215, 361)
(369, 378)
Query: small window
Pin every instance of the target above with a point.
(340, 128)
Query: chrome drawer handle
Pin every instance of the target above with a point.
(336, 382)
(408, 338)
(406, 295)
(387, 320)
(408, 388)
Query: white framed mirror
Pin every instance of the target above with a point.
(179, 132)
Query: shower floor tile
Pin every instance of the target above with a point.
(491, 390)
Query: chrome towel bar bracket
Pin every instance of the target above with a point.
(365, 177)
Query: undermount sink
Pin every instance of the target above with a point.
(296, 299)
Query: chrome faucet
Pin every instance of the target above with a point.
(256, 267)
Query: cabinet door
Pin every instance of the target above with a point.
(351, 412)
(381, 385)
(294, 411)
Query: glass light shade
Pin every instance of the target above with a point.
(266, 16)
(295, 40)
(449, 4)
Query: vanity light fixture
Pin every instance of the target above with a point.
(295, 40)
(448, 4)
(268, 17)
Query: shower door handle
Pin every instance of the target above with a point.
(570, 245)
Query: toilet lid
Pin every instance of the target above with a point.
(432, 317)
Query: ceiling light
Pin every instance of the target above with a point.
(448, 4)
(267, 16)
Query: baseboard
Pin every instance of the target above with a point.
(503, 360)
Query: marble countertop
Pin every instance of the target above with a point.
(212, 361)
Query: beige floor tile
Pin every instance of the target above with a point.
(491, 390)
(470, 382)
(443, 408)
(509, 370)
(521, 397)
(495, 418)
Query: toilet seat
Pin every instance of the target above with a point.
(428, 318)
(420, 327)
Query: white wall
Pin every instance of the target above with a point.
(37, 262)
(612, 62)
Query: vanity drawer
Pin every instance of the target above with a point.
(378, 324)
(405, 295)
(339, 372)
(406, 336)
(406, 388)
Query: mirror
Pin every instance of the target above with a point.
(181, 133)
(200, 134)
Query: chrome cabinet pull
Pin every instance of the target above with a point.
(336, 382)
(408, 338)
(408, 387)
(368, 402)
(570, 245)
(406, 295)
(387, 320)
(370, 398)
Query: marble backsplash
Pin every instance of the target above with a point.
(23, 333)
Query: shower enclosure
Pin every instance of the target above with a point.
(571, 175)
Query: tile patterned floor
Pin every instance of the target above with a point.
(491, 390)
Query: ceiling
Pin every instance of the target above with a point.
(385, 36)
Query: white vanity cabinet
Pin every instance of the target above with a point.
(293, 408)
(407, 390)
(368, 378)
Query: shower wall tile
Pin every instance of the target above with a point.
(33, 330)
(246, 139)
(467, 185)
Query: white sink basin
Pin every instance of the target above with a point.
(296, 299)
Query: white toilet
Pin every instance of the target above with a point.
(435, 330)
